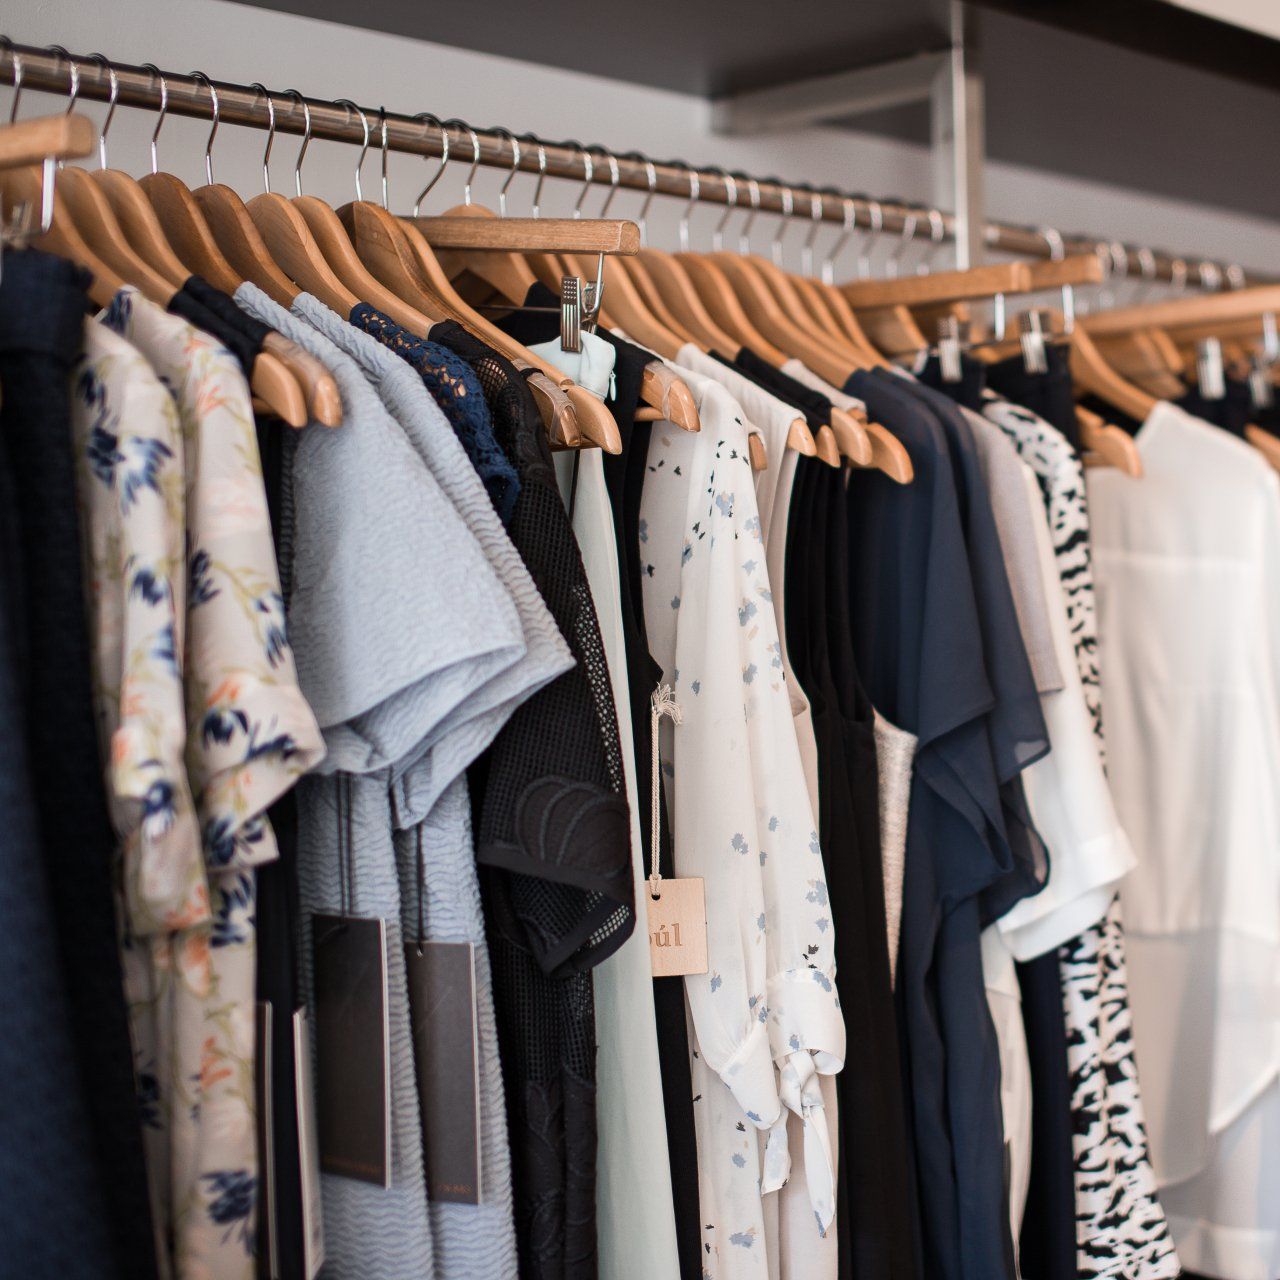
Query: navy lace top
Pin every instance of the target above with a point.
(457, 390)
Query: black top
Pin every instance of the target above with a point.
(1232, 412)
(918, 636)
(782, 386)
(42, 312)
(553, 840)
(873, 1190)
(1049, 395)
(968, 390)
(200, 304)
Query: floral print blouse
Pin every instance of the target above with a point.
(766, 1016)
(249, 736)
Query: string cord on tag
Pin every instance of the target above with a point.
(662, 702)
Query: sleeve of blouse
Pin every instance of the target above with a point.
(1070, 801)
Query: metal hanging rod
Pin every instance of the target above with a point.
(49, 70)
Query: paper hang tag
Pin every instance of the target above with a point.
(677, 926)
(446, 1049)
(353, 1051)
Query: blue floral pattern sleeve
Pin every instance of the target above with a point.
(457, 390)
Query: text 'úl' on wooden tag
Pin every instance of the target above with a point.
(677, 926)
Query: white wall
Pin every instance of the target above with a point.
(242, 43)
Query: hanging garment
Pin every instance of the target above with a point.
(130, 469)
(468, 1240)
(1109, 1130)
(919, 646)
(378, 719)
(250, 736)
(769, 993)
(457, 390)
(1186, 567)
(634, 1212)
(1049, 395)
(556, 901)
(54, 1213)
(875, 1237)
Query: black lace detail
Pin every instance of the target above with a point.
(457, 390)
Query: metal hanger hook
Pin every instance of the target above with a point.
(215, 114)
(730, 204)
(157, 74)
(784, 222)
(382, 131)
(588, 172)
(306, 138)
(1209, 274)
(615, 177)
(462, 125)
(515, 167)
(542, 170)
(875, 220)
(937, 234)
(271, 135)
(1057, 247)
(364, 146)
(16, 58)
(651, 173)
(815, 219)
(114, 80)
(444, 157)
(695, 189)
(910, 220)
(744, 232)
(827, 272)
(73, 76)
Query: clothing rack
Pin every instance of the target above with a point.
(50, 70)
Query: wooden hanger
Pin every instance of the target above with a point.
(22, 182)
(1149, 358)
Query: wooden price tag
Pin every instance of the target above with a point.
(677, 927)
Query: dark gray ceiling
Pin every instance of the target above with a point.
(1135, 92)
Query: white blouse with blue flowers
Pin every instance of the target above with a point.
(765, 1018)
(249, 736)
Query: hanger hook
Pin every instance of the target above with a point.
(382, 132)
(542, 170)
(515, 167)
(1209, 274)
(16, 58)
(157, 74)
(444, 157)
(1235, 276)
(695, 190)
(462, 125)
(271, 135)
(850, 207)
(910, 220)
(73, 75)
(875, 223)
(114, 81)
(364, 146)
(815, 217)
(614, 177)
(730, 204)
(784, 222)
(1057, 247)
(588, 172)
(216, 114)
(306, 138)
(744, 232)
(1178, 270)
(937, 234)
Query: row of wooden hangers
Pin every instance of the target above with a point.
(156, 232)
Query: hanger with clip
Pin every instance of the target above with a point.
(664, 394)
(31, 156)
(398, 255)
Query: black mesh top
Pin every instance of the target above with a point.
(553, 840)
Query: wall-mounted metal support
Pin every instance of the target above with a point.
(948, 79)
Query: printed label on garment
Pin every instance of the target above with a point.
(677, 926)
(446, 1048)
(268, 1232)
(353, 1047)
(308, 1147)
